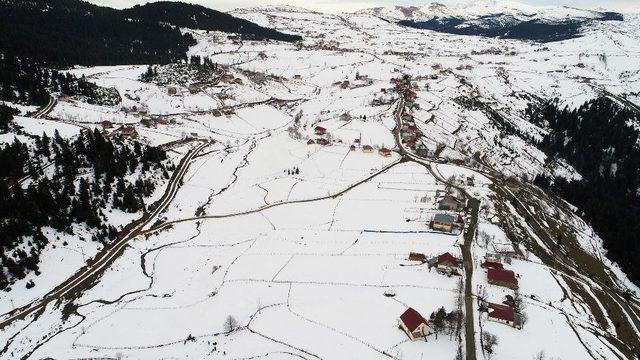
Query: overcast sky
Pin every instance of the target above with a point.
(349, 5)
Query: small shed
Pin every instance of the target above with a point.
(414, 256)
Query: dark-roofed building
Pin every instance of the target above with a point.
(320, 130)
(443, 222)
(502, 277)
(413, 324)
(449, 202)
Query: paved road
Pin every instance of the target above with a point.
(110, 252)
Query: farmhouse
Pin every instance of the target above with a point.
(322, 141)
(345, 84)
(449, 202)
(504, 314)
(442, 222)
(413, 324)
(320, 130)
(310, 142)
(502, 277)
(447, 263)
(172, 90)
(367, 149)
(127, 131)
(384, 152)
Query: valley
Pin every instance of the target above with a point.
(323, 192)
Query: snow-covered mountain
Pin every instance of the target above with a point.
(299, 220)
(496, 18)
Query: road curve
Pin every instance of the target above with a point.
(111, 252)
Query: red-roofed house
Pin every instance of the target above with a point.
(502, 277)
(501, 313)
(320, 130)
(414, 324)
(447, 263)
(384, 152)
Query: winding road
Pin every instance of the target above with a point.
(93, 269)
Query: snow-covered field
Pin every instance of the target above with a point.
(299, 242)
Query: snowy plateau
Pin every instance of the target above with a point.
(319, 187)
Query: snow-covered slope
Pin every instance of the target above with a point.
(305, 246)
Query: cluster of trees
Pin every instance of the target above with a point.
(600, 140)
(27, 82)
(444, 322)
(86, 175)
(6, 115)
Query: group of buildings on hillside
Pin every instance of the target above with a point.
(508, 311)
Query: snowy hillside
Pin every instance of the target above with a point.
(324, 188)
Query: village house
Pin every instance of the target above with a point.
(414, 256)
(504, 314)
(237, 81)
(443, 222)
(384, 152)
(228, 110)
(171, 90)
(449, 203)
(297, 77)
(194, 88)
(367, 149)
(502, 277)
(345, 84)
(414, 325)
(447, 264)
(127, 131)
(352, 148)
(320, 130)
(310, 142)
(322, 141)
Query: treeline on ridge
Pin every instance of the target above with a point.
(600, 140)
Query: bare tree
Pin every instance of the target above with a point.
(490, 341)
(540, 355)
(231, 324)
(459, 355)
